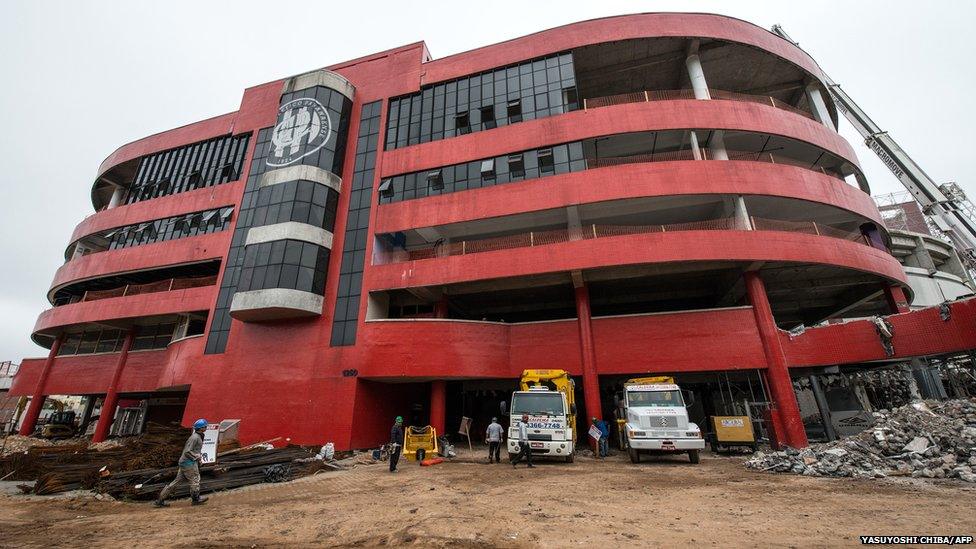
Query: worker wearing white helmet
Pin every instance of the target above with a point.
(189, 467)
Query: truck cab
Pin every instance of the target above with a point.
(549, 427)
(657, 420)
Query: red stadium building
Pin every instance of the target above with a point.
(399, 235)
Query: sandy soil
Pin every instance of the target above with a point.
(468, 503)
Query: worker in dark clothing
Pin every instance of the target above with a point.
(189, 467)
(604, 442)
(523, 437)
(396, 441)
(494, 436)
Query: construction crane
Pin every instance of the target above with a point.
(946, 205)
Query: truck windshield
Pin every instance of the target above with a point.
(550, 404)
(654, 398)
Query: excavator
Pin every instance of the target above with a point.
(60, 424)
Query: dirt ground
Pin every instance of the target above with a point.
(468, 503)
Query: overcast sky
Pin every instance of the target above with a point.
(80, 79)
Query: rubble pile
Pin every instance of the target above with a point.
(15, 444)
(922, 440)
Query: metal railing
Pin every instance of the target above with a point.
(589, 232)
(708, 154)
(673, 95)
(137, 289)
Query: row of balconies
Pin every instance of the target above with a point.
(619, 109)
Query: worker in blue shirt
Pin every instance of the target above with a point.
(189, 467)
(494, 436)
(604, 443)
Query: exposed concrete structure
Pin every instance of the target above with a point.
(274, 304)
(303, 172)
(290, 230)
(321, 77)
(934, 270)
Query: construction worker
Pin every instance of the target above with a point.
(189, 467)
(523, 438)
(494, 436)
(396, 440)
(603, 444)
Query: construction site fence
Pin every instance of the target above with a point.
(137, 289)
(673, 95)
(588, 232)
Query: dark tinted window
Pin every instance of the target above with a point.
(526, 91)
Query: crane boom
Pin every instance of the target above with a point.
(945, 205)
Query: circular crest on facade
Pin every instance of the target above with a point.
(304, 127)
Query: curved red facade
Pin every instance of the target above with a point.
(679, 239)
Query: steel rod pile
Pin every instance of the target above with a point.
(139, 467)
(76, 466)
(248, 467)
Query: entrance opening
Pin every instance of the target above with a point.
(137, 410)
(707, 394)
(480, 400)
(378, 403)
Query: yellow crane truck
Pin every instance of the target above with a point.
(548, 398)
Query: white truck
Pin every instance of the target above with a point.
(549, 427)
(657, 419)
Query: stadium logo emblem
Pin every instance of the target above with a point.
(304, 127)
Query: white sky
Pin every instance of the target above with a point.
(82, 78)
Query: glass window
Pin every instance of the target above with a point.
(476, 103)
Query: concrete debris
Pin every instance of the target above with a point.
(14, 444)
(922, 440)
(917, 445)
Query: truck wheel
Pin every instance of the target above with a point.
(634, 455)
(693, 456)
(569, 458)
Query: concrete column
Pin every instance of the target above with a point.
(922, 256)
(742, 214)
(112, 397)
(116, 199)
(913, 391)
(777, 369)
(822, 406)
(574, 225)
(591, 380)
(695, 72)
(695, 148)
(86, 414)
(37, 400)
(438, 405)
(819, 107)
(441, 308)
(79, 251)
(895, 296)
(716, 146)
